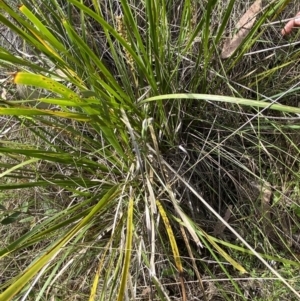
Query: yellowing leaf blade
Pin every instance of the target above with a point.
(171, 237)
(228, 258)
(40, 81)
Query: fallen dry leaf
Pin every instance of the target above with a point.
(243, 27)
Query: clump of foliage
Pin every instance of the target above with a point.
(136, 154)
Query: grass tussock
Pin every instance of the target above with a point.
(137, 163)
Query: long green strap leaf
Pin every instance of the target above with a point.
(227, 99)
(20, 282)
(37, 112)
(42, 28)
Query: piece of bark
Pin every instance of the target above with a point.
(243, 27)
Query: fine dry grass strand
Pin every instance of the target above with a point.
(137, 163)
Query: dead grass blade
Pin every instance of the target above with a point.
(196, 270)
(254, 252)
(243, 27)
(128, 250)
(55, 249)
